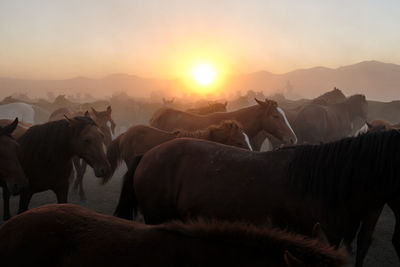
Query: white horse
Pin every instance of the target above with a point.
(24, 112)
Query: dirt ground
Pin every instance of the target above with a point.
(103, 199)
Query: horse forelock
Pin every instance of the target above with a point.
(265, 239)
(334, 172)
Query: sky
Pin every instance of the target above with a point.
(47, 39)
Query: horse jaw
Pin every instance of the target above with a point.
(287, 123)
(246, 138)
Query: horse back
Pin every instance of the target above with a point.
(170, 119)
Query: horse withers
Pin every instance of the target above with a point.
(12, 177)
(70, 235)
(46, 153)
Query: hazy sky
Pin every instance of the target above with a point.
(61, 39)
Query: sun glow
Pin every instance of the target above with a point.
(204, 74)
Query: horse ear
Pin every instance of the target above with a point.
(9, 129)
(87, 114)
(318, 234)
(292, 261)
(71, 122)
(94, 111)
(226, 103)
(261, 103)
(109, 110)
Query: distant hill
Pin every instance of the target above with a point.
(377, 80)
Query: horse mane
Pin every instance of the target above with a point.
(332, 172)
(259, 238)
(49, 142)
(205, 133)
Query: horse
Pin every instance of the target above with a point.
(46, 153)
(70, 235)
(20, 129)
(139, 139)
(262, 116)
(325, 123)
(337, 184)
(27, 113)
(12, 177)
(210, 108)
(377, 126)
(106, 124)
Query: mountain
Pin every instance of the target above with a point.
(377, 80)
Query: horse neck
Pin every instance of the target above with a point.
(199, 134)
(247, 117)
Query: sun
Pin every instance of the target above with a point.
(204, 74)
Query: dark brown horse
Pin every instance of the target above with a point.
(70, 235)
(263, 116)
(139, 139)
(316, 123)
(46, 153)
(12, 177)
(106, 124)
(338, 184)
(210, 108)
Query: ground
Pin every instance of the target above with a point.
(103, 199)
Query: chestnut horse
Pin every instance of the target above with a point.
(377, 126)
(46, 153)
(19, 130)
(262, 116)
(106, 124)
(139, 139)
(12, 177)
(210, 108)
(338, 184)
(70, 235)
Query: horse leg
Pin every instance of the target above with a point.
(395, 206)
(62, 194)
(82, 194)
(364, 238)
(6, 203)
(24, 199)
(77, 164)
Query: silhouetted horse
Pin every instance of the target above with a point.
(325, 123)
(338, 184)
(210, 108)
(106, 124)
(12, 177)
(46, 153)
(139, 139)
(70, 235)
(263, 116)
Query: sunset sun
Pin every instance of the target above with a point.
(204, 74)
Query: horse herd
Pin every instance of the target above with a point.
(207, 198)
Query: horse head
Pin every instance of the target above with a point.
(230, 133)
(274, 121)
(88, 144)
(105, 122)
(358, 106)
(11, 171)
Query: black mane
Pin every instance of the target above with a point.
(332, 172)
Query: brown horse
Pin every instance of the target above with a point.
(139, 139)
(19, 130)
(263, 116)
(46, 153)
(12, 177)
(377, 126)
(210, 108)
(106, 124)
(338, 184)
(70, 235)
(325, 123)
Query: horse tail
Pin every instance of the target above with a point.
(127, 203)
(114, 157)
